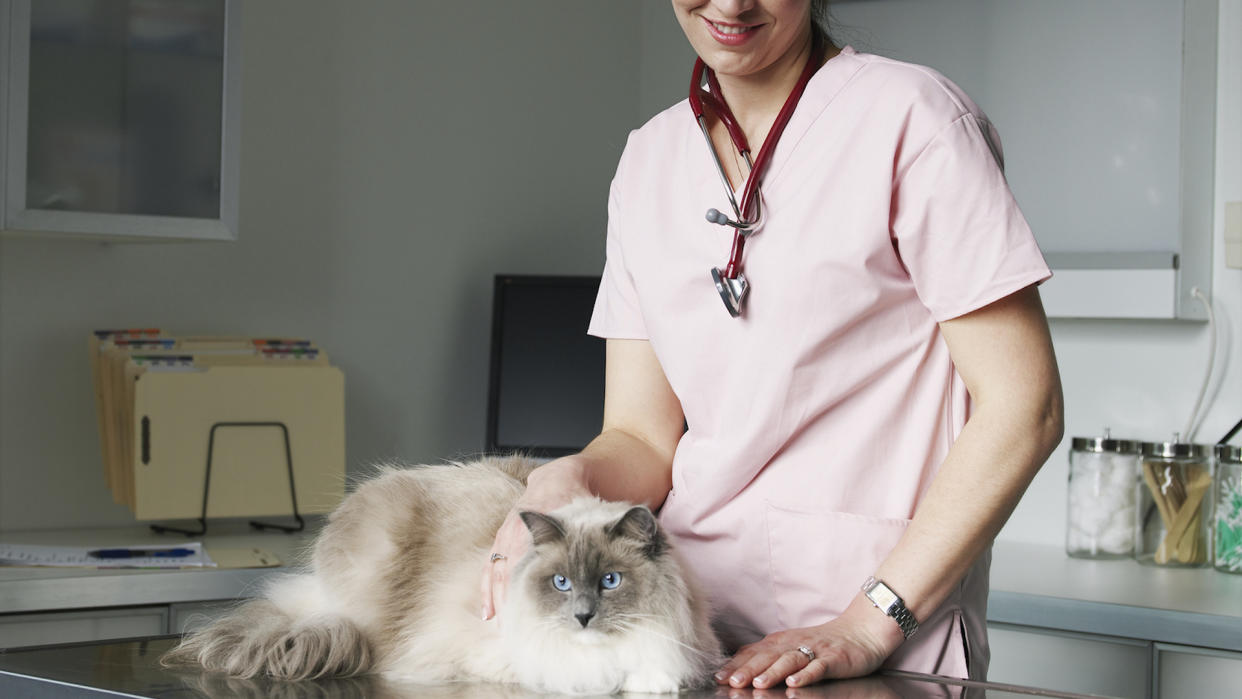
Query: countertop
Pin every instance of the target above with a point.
(1036, 585)
(131, 669)
(25, 590)
(1032, 585)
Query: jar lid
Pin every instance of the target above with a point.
(1228, 452)
(1105, 443)
(1177, 450)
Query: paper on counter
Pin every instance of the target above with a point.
(79, 556)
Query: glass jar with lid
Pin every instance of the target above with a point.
(1228, 510)
(1100, 512)
(1173, 498)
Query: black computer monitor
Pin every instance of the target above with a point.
(546, 394)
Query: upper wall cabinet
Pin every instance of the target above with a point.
(1107, 110)
(119, 119)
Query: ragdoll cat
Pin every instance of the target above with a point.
(599, 604)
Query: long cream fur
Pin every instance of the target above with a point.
(393, 589)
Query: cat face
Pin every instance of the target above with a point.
(594, 578)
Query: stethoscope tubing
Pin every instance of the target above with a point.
(724, 179)
(746, 219)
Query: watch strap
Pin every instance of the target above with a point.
(887, 601)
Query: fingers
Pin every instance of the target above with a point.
(814, 671)
(763, 665)
(780, 667)
(512, 541)
(485, 592)
(725, 674)
(495, 583)
(500, 581)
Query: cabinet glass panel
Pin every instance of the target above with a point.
(124, 106)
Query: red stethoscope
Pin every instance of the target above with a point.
(731, 283)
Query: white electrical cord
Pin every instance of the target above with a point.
(1195, 421)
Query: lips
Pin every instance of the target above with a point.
(731, 34)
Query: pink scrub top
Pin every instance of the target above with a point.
(818, 419)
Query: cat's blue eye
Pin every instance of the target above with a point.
(610, 581)
(561, 583)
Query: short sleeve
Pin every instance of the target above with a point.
(956, 226)
(617, 312)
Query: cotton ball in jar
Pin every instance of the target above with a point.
(1101, 504)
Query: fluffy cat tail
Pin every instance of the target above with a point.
(260, 640)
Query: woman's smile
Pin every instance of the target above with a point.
(731, 34)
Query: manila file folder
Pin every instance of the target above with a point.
(174, 413)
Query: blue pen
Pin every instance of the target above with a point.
(140, 553)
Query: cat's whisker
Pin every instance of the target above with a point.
(652, 632)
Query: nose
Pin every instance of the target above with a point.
(584, 618)
(733, 8)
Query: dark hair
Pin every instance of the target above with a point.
(820, 22)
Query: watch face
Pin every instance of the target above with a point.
(883, 597)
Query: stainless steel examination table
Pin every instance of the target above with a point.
(132, 669)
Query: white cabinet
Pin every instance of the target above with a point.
(80, 626)
(20, 630)
(189, 616)
(121, 119)
(1185, 671)
(1110, 666)
(1069, 662)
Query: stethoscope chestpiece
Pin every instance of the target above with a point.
(732, 291)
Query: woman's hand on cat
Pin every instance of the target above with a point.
(852, 645)
(548, 487)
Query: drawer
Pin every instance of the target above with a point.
(1185, 671)
(189, 616)
(18, 630)
(1069, 662)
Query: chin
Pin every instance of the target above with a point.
(589, 637)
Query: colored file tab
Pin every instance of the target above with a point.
(169, 404)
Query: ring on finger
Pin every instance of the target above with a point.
(810, 654)
(498, 557)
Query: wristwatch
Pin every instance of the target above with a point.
(887, 601)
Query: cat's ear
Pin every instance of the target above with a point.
(639, 524)
(543, 528)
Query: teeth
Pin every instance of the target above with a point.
(729, 30)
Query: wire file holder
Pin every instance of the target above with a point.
(202, 520)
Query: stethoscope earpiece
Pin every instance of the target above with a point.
(715, 216)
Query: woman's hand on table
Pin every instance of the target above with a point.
(858, 688)
(548, 487)
(854, 644)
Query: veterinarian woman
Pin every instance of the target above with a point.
(886, 393)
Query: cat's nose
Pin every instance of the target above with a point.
(584, 618)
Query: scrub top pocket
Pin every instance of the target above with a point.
(819, 560)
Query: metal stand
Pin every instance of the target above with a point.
(202, 520)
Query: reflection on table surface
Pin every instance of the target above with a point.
(132, 668)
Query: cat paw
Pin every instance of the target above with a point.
(651, 683)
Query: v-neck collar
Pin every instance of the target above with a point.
(823, 87)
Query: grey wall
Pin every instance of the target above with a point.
(377, 164)
(666, 61)
(395, 155)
